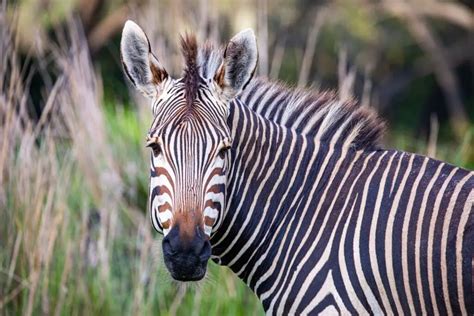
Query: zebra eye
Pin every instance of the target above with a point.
(225, 146)
(154, 145)
(223, 151)
(156, 148)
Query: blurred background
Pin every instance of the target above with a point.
(74, 233)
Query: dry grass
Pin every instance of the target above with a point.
(75, 238)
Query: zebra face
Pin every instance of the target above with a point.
(189, 140)
(189, 162)
(187, 186)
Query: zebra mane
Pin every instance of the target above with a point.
(315, 114)
(189, 48)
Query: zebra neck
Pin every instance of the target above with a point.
(261, 189)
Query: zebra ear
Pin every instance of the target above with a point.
(239, 64)
(139, 63)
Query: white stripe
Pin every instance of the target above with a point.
(431, 245)
(373, 226)
(419, 223)
(406, 224)
(161, 199)
(389, 236)
(214, 197)
(283, 224)
(165, 215)
(374, 305)
(211, 212)
(207, 230)
(326, 252)
(328, 288)
(274, 185)
(467, 211)
(444, 241)
(269, 172)
(252, 172)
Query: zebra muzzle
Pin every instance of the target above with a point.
(186, 257)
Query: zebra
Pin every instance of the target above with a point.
(291, 190)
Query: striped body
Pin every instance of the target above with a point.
(316, 225)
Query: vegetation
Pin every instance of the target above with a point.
(75, 238)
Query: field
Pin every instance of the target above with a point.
(75, 238)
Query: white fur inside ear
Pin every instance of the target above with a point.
(240, 62)
(134, 48)
(247, 36)
(132, 29)
(138, 59)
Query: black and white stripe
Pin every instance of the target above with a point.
(189, 171)
(314, 223)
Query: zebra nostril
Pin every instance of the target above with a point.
(205, 251)
(167, 249)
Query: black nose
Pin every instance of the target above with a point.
(186, 258)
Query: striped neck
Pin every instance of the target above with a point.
(262, 191)
(305, 218)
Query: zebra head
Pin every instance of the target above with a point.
(189, 138)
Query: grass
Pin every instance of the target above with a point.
(74, 234)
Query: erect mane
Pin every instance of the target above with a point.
(315, 114)
(189, 49)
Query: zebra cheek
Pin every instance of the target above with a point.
(208, 224)
(210, 216)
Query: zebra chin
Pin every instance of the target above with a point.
(186, 257)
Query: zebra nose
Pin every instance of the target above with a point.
(186, 258)
(198, 245)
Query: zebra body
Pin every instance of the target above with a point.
(317, 226)
(291, 190)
